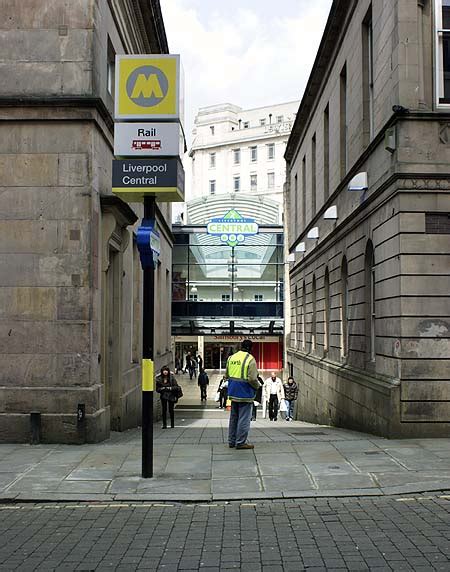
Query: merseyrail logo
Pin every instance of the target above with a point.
(147, 87)
(232, 228)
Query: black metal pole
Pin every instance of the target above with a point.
(148, 338)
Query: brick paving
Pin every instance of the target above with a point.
(382, 533)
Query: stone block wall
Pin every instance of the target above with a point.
(64, 307)
(400, 388)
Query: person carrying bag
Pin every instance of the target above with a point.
(169, 392)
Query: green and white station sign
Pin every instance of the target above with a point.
(232, 228)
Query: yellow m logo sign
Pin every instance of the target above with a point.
(147, 87)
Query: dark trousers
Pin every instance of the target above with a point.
(164, 404)
(203, 392)
(273, 406)
(223, 398)
(255, 409)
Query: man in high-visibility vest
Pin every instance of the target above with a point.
(242, 375)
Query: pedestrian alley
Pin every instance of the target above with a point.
(193, 462)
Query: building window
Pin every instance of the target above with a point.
(295, 210)
(313, 175)
(314, 316)
(135, 304)
(304, 190)
(304, 317)
(271, 151)
(193, 297)
(367, 70)
(259, 297)
(212, 160)
(344, 308)
(270, 180)
(442, 11)
(236, 184)
(111, 69)
(253, 182)
(370, 301)
(295, 318)
(280, 119)
(326, 312)
(262, 122)
(253, 154)
(343, 121)
(226, 297)
(246, 124)
(236, 156)
(212, 187)
(326, 152)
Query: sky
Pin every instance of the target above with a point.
(242, 51)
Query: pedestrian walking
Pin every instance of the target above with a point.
(200, 362)
(258, 398)
(242, 375)
(178, 365)
(169, 392)
(194, 365)
(203, 382)
(223, 392)
(290, 395)
(188, 367)
(273, 394)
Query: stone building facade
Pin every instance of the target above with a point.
(70, 276)
(369, 327)
(240, 151)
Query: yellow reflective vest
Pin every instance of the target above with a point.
(239, 388)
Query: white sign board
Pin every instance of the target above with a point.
(155, 242)
(147, 139)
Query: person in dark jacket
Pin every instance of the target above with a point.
(188, 367)
(203, 382)
(167, 387)
(290, 395)
(258, 398)
(178, 365)
(223, 392)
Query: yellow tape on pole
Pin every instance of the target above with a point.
(148, 379)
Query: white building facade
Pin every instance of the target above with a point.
(240, 151)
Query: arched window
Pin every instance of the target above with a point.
(344, 307)
(295, 318)
(304, 317)
(326, 312)
(370, 301)
(314, 316)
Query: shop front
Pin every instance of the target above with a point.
(228, 282)
(215, 350)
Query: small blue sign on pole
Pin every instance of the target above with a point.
(148, 243)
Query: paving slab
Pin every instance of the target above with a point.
(193, 462)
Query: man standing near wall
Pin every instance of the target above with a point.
(242, 375)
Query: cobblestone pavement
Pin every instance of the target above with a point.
(382, 533)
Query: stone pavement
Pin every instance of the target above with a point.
(313, 535)
(192, 462)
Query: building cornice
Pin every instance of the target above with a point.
(140, 25)
(335, 29)
(362, 159)
(61, 101)
(124, 214)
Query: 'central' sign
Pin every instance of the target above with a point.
(232, 228)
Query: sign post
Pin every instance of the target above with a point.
(148, 256)
(148, 109)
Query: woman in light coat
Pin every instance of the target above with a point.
(273, 394)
